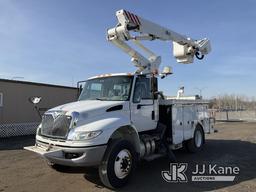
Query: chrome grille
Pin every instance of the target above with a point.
(55, 126)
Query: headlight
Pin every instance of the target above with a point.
(82, 135)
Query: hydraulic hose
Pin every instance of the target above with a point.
(199, 56)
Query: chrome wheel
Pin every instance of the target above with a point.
(198, 138)
(122, 165)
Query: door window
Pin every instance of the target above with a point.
(142, 89)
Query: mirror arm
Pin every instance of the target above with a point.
(160, 93)
(38, 111)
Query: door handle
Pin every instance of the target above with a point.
(180, 123)
(153, 115)
(141, 105)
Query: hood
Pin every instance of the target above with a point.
(88, 107)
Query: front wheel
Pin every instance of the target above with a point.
(196, 143)
(118, 164)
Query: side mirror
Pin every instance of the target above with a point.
(160, 93)
(34, 100)
(79, 86)
(80, 89)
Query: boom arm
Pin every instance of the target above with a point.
(184, 48)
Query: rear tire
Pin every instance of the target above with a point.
(196, 143)
(118, 164)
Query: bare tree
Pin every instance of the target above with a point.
(232, 102)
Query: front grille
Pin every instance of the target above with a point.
(55, 126)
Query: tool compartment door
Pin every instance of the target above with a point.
(203, 117)
(177, 124)
(189, 116)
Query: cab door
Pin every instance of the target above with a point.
(144, 110)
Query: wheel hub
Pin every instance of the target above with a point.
(122, 165)
(198, 138)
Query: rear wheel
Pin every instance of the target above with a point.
(196, 143)
(118, 164)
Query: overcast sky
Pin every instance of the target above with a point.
(61, 42)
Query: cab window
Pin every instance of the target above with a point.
(142, 89)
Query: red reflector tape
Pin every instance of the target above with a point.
(137, 19)
(132, 18)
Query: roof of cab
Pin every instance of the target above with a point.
(111, 74)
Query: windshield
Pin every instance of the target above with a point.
(115, 88)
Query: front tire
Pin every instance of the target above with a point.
(118, 164)
(196, 143)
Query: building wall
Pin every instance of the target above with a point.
(16, 108)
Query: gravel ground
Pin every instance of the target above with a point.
(233, 145)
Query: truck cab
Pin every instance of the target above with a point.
(129, 93)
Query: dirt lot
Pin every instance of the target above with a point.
(233, 145)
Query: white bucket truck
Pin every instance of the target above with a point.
(122, 118)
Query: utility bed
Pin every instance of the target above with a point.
(183, 115)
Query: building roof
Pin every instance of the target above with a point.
(36, 83)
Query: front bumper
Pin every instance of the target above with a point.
(70, 156)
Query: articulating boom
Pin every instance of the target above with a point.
(184, 48)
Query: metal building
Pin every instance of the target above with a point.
(17, 115)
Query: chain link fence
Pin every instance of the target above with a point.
(18, 129)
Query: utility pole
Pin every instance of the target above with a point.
(200, 90)
(236, 102)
